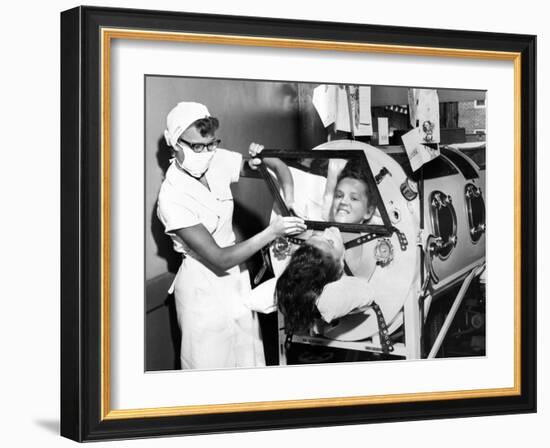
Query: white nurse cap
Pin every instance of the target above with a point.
(180, 118)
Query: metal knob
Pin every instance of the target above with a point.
(473, 192)
(478, 230)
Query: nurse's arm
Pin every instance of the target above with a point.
(200, 241)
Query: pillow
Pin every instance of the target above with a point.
(346, 295)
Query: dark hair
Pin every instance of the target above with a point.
(354, 171)
(301, 283)
(206, 126)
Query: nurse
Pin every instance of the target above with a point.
(196, 207)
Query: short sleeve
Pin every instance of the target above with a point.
(175, 215)
(234, 163)
(344, 296)
(225, 167)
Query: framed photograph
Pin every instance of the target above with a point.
(277, 224)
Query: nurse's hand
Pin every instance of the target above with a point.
(253, 150)
(287, 225)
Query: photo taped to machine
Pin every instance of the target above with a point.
(308, 223)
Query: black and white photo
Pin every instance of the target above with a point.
(279, 224)
(307, 223)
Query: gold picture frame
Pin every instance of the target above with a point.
(86, 409)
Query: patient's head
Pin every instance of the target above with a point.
(353, 201)
(318, 262)
(330, 242)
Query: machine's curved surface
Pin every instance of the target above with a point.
(452, 214)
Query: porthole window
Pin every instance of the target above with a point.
(444, 224)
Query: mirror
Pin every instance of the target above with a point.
(331, 188)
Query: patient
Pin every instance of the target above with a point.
(313, 285)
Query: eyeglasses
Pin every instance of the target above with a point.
(199, 147)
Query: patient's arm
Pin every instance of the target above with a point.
(284, 177)
(278, 167)
(335, 167)
(344, 296)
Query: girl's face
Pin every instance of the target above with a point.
(329, 241)
(350, 203)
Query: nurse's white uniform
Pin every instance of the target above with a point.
(218, 330)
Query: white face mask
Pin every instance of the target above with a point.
(195, 163)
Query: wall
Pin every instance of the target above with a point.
(392, 96)
(29, 232)
(470, 117)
